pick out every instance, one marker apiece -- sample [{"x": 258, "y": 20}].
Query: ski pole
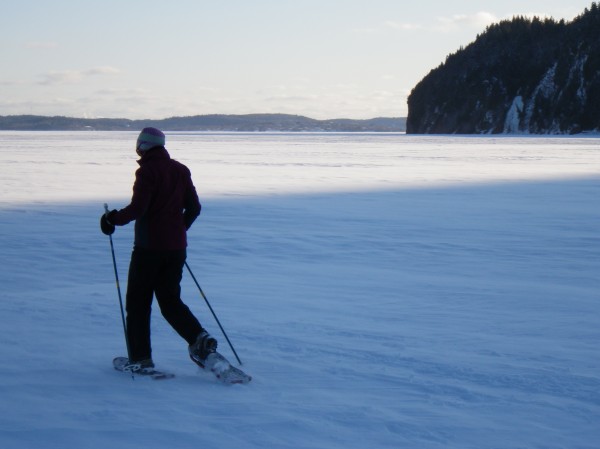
[
  {"x": 112, "y": 249},
  {"x": 213, "y": 313}
]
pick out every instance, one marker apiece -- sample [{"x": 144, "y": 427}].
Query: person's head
[{"x": 148, "y": 139}]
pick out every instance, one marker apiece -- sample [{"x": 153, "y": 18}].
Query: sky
[{"x": 319, "y": 58}]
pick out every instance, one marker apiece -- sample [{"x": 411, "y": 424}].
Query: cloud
[
  {"x": 292, "y": 98},
  {"x": 477, "y": 20},
  {"x": 367, "y": 31},
  {"x": 12, "y": 82},
  {"x": 404, "y": 26},
  {"x": 75, "y": 76},
  {"x": 50, "y": 106},
  {"x": 103, "y": 70},
  {"x": 66, "y": 77},
  {"x": 43, "y": 45},
  {"x": 336, "y": 100}
]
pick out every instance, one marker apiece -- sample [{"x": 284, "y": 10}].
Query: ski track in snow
[{"x": 370, "y": 313}]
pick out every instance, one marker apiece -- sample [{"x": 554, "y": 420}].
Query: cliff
[{"x": 519, "y": 76}]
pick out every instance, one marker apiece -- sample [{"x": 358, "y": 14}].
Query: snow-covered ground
[{"x": 385, "y": 291}]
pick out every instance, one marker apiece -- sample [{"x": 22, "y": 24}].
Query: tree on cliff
[{"x": 540, "y": 73}]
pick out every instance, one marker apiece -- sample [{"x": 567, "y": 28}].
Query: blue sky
[{"x": 151, "y": 59}]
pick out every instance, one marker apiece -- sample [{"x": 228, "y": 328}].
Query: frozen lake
[
  {"x": 384, "y": 290},
  {"x": 250, "y": 164}
]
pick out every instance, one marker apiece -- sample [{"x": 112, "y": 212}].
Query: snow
[
  {"x": 384, "y": 291},
  {"x": 513, "y": 116},
  {"x": 544, "y": 90}
]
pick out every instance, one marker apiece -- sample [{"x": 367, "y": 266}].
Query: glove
[{"x": 105, "y": 225}]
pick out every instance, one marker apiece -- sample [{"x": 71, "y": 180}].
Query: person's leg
[
  {"x": 140, "y": 287},
  {"x": 168, "y": 296}
]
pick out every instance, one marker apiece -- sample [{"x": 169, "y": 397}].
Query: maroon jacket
[{"x": 164, "y": 203}]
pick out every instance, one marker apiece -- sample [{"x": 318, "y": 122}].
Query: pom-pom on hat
[{"x": 150, "y": 138}]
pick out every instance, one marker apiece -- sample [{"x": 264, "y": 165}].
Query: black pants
[{"x": 156, "y": 273}]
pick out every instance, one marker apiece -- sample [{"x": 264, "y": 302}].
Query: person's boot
[
  {"x": 140, "y": 366},
  {"x": 202, "y": 348}
]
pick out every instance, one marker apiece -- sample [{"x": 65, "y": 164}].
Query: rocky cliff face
[{"x": 520, "y": 76}]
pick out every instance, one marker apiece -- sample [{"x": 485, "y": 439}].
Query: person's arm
[
  {"x": 142, "y": 193},
  {"x": 192, "y": 206}
]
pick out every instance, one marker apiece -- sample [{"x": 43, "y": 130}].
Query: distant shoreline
[{"x": 206, "y": 123}]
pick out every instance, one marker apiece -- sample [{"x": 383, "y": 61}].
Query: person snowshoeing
[{"x": 164, "y": 205}]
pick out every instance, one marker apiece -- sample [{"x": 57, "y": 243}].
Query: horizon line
[{"x": 203, "y": 115}]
